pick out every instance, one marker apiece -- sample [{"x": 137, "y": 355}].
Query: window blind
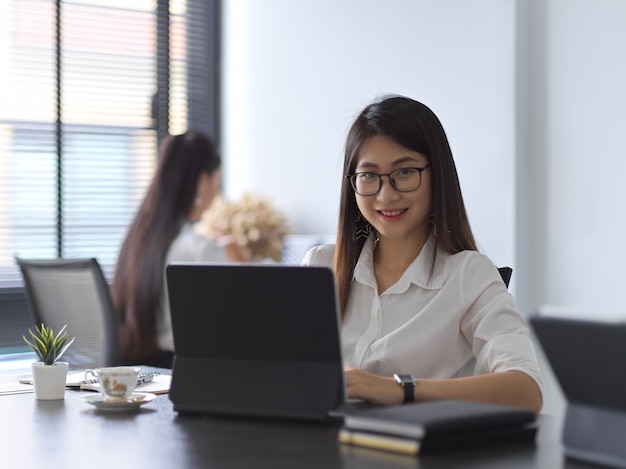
[
  {"x": 108, "y": 149},
  {"x": 79, "y": 82}
]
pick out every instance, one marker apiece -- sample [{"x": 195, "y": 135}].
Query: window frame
[{"x": 202, "y": 105}]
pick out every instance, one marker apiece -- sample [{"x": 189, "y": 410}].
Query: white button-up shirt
[{"x": 462, "y": 321}]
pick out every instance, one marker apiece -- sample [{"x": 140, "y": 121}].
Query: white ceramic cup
[{"x": 116, "y": 382}]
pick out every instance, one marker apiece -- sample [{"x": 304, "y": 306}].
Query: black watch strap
[{"x": 408, "y": 384}]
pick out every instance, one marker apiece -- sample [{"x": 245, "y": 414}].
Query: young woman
[
  {"x": 424, "y": 315},
  {"x": 186, "y": 180}
]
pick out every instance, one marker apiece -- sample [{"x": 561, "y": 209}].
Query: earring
[
  {"x": 432, "y": 222},
  {"x": 198, "y": 201},
  {"x": 363, "y": 232}
]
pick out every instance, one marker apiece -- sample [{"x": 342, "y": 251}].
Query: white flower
[{"x": 252, "y": 222}]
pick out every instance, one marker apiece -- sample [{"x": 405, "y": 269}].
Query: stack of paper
[
  {"x": 155, "y": 383},
  {"x": 11, "y": 385}
]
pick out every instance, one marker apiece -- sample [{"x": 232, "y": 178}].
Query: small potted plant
[{"x": 49, "y": 374}]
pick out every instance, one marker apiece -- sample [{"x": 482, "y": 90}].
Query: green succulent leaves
[{"x": 47, "y": 346}]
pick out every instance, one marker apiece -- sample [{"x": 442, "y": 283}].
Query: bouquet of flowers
[{"x": 252, "y": 222}]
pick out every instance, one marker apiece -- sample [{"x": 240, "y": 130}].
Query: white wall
[
  {"x": 571, "y": 162},
  {"x": 295, "y": 74},
  {"x": 586, "y": 85},
  {"x": 571, "y": 154}
]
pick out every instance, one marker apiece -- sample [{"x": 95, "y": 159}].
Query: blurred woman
[{"x": 186, "y": 181}]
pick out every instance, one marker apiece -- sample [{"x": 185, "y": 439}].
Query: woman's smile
[{"x": 394, "y": 214}]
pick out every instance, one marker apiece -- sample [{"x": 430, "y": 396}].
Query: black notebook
[{"x": 437, "y": 425}]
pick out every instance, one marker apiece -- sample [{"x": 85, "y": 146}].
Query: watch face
[
  {"x": 404, "y": 379},
  {"x": 408, "y": 383}
]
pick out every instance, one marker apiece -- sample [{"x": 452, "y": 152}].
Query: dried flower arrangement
[{"x": 252, "y": 222}]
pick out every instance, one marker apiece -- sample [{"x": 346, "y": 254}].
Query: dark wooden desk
[{"x": 72, "y": 434}]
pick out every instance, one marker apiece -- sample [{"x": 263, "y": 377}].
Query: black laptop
[
  {"x": 255, "y": 340},
  {"x": 588, "y": 358}
]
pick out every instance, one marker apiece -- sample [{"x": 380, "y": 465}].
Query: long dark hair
[
  {"x": 414, "y": 126},
  {"x": 137, "y": 286}
]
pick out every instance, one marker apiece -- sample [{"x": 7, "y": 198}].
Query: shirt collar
[
  {"x": 364, "y": 269},
  {"x": 417, "y": 273}
]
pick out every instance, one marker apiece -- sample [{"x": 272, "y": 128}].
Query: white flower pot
[{"x": 49, "y": 380}]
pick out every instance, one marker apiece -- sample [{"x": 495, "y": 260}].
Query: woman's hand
[
  {"x": 377, "y": 389},
  {"x": 234, "y": 252}
]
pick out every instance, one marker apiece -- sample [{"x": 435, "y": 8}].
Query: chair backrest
[
  {"x": 506, "y": 273},
  {"x": 74, "y": 292}
]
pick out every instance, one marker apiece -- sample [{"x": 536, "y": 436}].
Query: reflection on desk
[{"x": 74, "y": 434}]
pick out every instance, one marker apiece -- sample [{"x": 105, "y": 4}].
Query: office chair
[
  {"x": 505, "y": 273},
  {"x": 74, "y": 292}
]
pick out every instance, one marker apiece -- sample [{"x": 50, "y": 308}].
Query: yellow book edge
[{"x": 382, "y": 442}]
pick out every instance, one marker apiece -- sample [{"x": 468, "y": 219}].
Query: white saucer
[{"x": 135, "y": 400}]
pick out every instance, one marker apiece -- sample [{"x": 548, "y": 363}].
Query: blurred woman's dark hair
[{"x": 138, "y": 281}]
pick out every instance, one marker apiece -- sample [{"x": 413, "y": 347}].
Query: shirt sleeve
[
  {"x": 193, "y": 247},
  {"x": 321, "y": 255},
  {"x": 210, "y": 251},
  {"x": 499, "y": 335}
]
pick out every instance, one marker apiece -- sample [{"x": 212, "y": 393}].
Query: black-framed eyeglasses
[{"x": 367, "y": 183}]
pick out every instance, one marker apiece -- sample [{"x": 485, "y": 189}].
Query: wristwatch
[{"x": 408, "y": 384}]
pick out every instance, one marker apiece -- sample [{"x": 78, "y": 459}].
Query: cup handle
[{"x": 90, "y": 372}]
